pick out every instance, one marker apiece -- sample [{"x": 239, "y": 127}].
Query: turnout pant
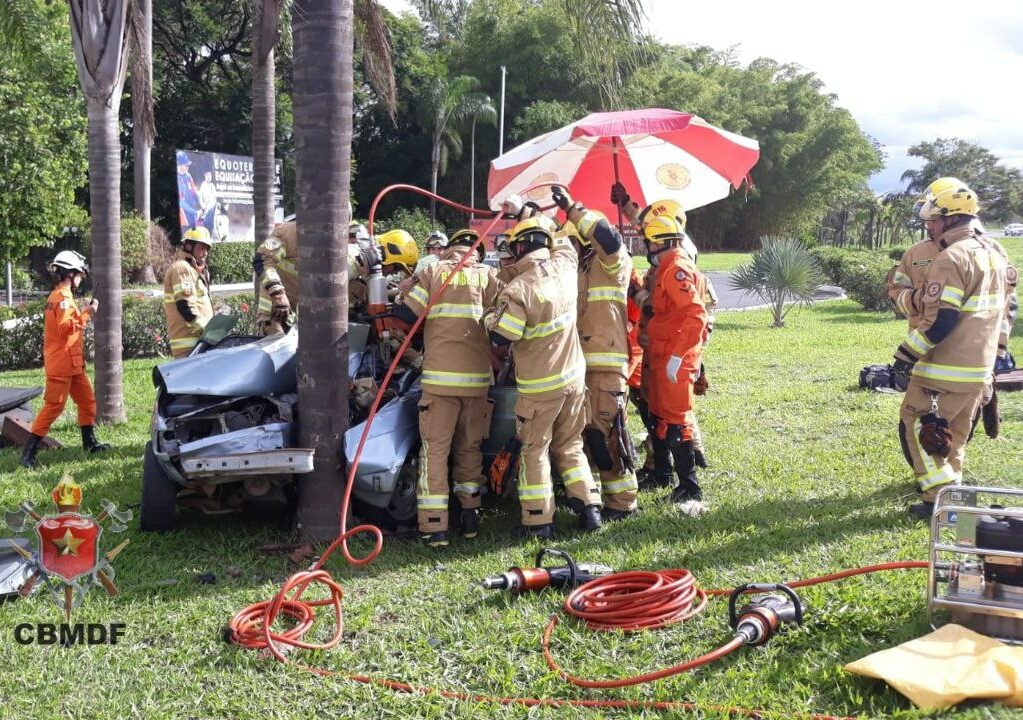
[
  {"x": 961, "y": 411},
  {"x": 552, "y": 425},
  {"x": 450, "y": 426},
  {"x": 55, "y": 398},
  {"x": 607, "y": 399}
]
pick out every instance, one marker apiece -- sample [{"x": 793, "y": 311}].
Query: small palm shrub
[{"x": 783, "y": 273}]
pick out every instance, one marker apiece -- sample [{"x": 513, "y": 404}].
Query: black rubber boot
[
  {"x": 541, "y": 532},
  {"x": 612, "y": 515},
  {"x": 701, "y": 459},
  {"x": 28, "y": 453},
  {"x": 661, "y": 474},
  {"x": 89, "y": 441},
  {"x": 434, "y": 540},
  {"x": 922, "y": 510},
  {"x": 470, "y": 523},
  {"x": 589, "y": 518},
  {"x": 688, "y": 487}
]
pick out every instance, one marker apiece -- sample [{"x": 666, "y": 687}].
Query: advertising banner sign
[{"x": 215, "y": 191}]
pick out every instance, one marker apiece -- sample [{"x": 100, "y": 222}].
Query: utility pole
[
  {"x": 500, "y": 136},
  {"x": 472, "y": 169}
]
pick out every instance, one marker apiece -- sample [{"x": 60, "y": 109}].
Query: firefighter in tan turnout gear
[
  {"x": 276, "y": 267},
  {"x": 605, "y": 268},
  {"x": 535, "y": 314},
  {"x": 907, "y": 279},
  {"x": 949, "y": 356},
  {"x": 454, "y": 411},
  {"x": 186, "y": 292}
]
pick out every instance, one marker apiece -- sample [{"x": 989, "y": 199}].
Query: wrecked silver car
[{"x": 225, "y": 430}]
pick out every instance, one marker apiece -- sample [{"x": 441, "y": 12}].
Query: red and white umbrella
[{"x": 656, "y": 154}]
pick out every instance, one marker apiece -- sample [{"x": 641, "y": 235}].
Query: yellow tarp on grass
[{"x": 947, "y": 666}]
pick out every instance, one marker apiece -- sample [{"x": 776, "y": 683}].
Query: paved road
[{"x": 729, "y": 299}]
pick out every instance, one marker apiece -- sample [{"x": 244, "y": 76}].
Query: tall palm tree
[
  {"x": 140, "y": 29},
  {"x": 143, "y": 126},
  {"x": 371, "y": 33},
  {"x": 608, "y": 37},
  {"x": 322, "y": 106},
  {"x": 98, "y": 29},
  {"x": 451, "y": 104},
  {"x": 265, "y": 18}
]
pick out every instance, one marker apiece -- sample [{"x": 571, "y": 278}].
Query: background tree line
[{"x": 810, "y": 181}]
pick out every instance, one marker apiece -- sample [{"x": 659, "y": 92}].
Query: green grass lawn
[
  {"x": 708, "y": 260},
  {"x": 806, "y": 478}
]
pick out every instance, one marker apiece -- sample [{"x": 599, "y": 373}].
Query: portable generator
[{"x": 975, "y": 571}]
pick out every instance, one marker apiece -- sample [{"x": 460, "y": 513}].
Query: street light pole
[
  {"x": 472, "y": 169},
  {"x": 500, "y": 137}
]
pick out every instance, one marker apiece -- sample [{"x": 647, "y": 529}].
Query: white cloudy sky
[{"x": 907, "y": 71}]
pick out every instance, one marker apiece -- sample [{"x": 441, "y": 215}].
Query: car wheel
[
  {"x": 402, "y": 507},
  {"x": 159, "y": 511}
]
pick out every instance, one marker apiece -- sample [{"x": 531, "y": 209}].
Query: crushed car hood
[{"x": 265, "y": 367}]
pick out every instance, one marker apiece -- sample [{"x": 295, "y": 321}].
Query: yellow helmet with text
[
  {"x": 668, "y": 207},
  {"x": 947, "y": 196},
  {"x": 399, "y": 249},
  {"x": 466, "y": 237},
  {"x": 663, "y": 230},
  {"x": 532, "y": 230}
]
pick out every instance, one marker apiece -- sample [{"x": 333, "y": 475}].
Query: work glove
[
  {"x": 512, "y": 205},
  {"x": 368, "y": 257},
  {"x": 902, "y": 368},
  {"x": 619, "y": 196},
  {"x": 197, "y": 326},
  {"x": 561, "y": 197},
  {"x": 672, "y": 368},
  {"x": 702, "y": 385},
  {"x": 693, "y": 508},
  {"x": 991, "y": 417},
  {"x": 935, "y": 435},
  {"x": 281, "y": 304}
]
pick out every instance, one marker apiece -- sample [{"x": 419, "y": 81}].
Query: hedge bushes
[
  {"x": 861, "y": 273},
  {"x": 143, "y": 330},
  {"x": 231, "y": 263}
]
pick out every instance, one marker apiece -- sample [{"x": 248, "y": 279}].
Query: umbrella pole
[{"x": 614, "y": 161}]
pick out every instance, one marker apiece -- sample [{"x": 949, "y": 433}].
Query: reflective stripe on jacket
[
  {"x": 537, "y": 312},
  {"x": 968, "y": 276},
  {"x": 457, "y": 358}
]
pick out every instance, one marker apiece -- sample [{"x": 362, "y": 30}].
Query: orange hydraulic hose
[
  {"x": 638, "y": 600},
  {"x": 631, "y": 601}
]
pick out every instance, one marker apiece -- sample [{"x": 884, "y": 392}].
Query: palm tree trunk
[
  {"x": 322, "y": 98},
  {"x": 105, "y": 207},
  {"x": 264, "y": 109}
]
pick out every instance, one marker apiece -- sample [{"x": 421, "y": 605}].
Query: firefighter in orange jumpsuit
[
  {"x": 63, "y": 358},
  {"x": 673, "y": 337}
]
